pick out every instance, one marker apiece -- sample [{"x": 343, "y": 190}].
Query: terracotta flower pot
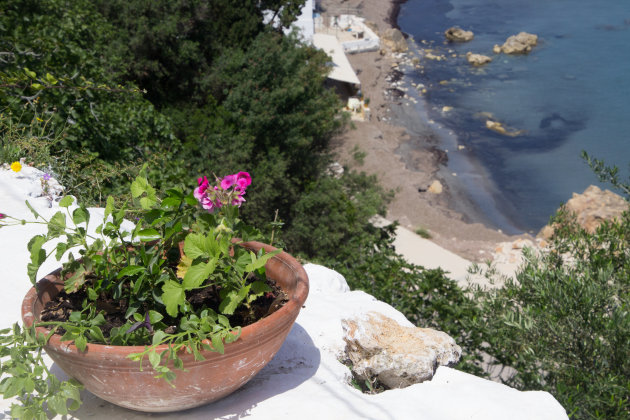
[{"x": 108, "y": 373}]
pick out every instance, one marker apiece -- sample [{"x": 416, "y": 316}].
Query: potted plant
[{"x": 177, "y": 311}]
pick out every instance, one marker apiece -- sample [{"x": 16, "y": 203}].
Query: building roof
[{"x": 340, "y": 67}]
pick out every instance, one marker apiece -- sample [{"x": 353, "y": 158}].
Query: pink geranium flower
[
  {"x": 200, "y": 191},
  {"x": 230, "y": 190},
  {"x": 228, "y": 181},
  {"x": 243, "y": 180}
]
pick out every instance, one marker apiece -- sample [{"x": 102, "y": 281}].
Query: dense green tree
[
  {"x": 267, "y": 112},
  {"x": 172, "y": 44}
]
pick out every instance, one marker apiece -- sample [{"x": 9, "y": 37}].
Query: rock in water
[
  {"x": 497, "y": 127},
  {"x": 521, "y": 43},
  {"x": 457, "y": 34},
  {"x": 477, "y": 59},
  {"x": 380, "y": 348}
]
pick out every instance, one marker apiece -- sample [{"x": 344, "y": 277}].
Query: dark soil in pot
[{"x": 60, "y": 308}]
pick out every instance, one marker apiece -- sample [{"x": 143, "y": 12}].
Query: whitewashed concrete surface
[{"x": 305, "y": 380}]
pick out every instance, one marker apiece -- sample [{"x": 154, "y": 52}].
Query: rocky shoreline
[
  {"x": 401, "y": 145},
  {"x": 402, "y": 149}
]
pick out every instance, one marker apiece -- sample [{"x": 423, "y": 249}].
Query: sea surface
[{"x": 571, "y": 93}]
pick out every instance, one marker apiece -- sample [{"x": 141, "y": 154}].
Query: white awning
[{"x": 340, "y": 67}]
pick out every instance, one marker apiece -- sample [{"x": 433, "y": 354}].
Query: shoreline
[
  {"x": 401, "y": 147},
  {"x": 394, "y": 11}
]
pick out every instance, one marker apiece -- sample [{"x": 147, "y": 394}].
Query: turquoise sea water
[{"x": 571, "y": 93}]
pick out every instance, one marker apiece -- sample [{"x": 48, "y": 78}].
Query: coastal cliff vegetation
[{"x": 92, "y": 91}]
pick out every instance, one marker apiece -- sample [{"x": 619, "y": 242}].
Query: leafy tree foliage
[
  {"x": 172, "y": 44},
  {"x": 334, "y": 214},
  {"x": 268, "y": 110},
  {"x": 60, "y": 64}
]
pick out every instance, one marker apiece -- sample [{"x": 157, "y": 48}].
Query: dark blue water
[{"x": 571, "y": 93}]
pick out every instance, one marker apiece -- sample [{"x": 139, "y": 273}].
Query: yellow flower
[{"x": 16, "y": 166}]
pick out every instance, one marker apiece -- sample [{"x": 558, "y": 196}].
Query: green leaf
[
  {"x": 57, "y": 225},
  {"x": 38, "y": 256},
  {"x": 80, "y": 342},
  {"x": 70, "y": 389},
  {"x": 98, "y": 320},
  {"x": 155, "y": 316},
  {"x": 147, "y": 202},
  {"x": 12, "y": 387},
  {"x": 75, "y": 317},
  {"x": 35, "y": 247},
  {"x": 62, "y": 247},
  {"x": 231, "y": 337},
  {"x": 195, "y": 349},
  {"x": 75, "y": 281},
  {"x": 29, "y": 385},
  {"x": 241, "y": 262},
  {"x": 130, "y": 270},
  {"x": 233, "y": 299},
  {"x": 222, "y": 319},
  {"x": 97, "y": 334},
  {"x": 217, "y": 343},
  {"x": 178, "y": 363},
  {"x": 197, "y": 245},
  {"x": 32, "y": 210},
  {"x": 261, "y": 260},
  {"x": 109, "y": 207},
  {"x": 66, "y": 201},
  {"x": 137, "y": 286},
  {"x": 92, "y": 295},
  {"x": 51, "y": 79},
  {"x": 171, "y": 203},
  {"x": 154, "y": 359},
  {"x": 198, "y": 273},
  {"x": 147, "y": 235},
  {"x": 173, "y": 296},
  {"x": 80, "y": 215},
  {"x": 30, "y": 73},
  {"x": 57, "y": 404},
  {"x": 158, "y": 336},
  {"x": 139, "y": 186},
  {"x": 260, "y": 287},
  {"x": 132, "y": 309}
]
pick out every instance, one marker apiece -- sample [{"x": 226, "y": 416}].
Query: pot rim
[{"x": 288, "y": 311}]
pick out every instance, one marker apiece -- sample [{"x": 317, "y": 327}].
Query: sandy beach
[{"x": 400, "y": 148}]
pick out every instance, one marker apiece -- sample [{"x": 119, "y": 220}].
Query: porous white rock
[{"x": 380, "y": 348}]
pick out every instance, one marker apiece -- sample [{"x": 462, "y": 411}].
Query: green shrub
[
  {"x": 563, "y": 322},
  {"x": 423, "y": 232}
]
